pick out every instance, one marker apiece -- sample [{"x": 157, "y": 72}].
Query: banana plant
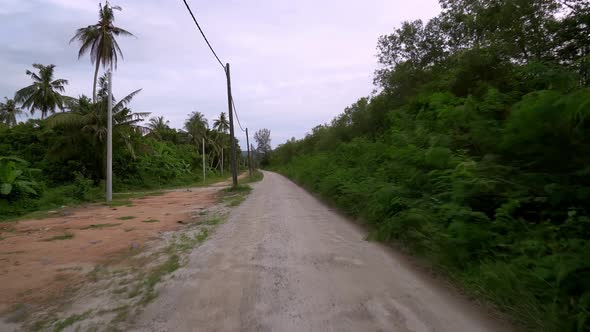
[{"x": 15, "y": 176}]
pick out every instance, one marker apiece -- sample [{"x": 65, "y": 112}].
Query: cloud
[{"x": 294, "y": 64}]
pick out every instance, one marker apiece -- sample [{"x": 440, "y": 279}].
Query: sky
[{"x": 294, "y": 63}]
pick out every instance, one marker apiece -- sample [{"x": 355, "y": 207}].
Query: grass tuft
[
  {"x": 98, "y": 226},
  {"x": 239, "y": 188},
  {"x": 62, "y": 324},
  {"x": 117, "y": 203},
  {"x": 65, "y": 236}
]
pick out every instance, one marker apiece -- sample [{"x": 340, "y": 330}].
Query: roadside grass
[
  {"x": 71, "y": 320},
  {"x": 54, "y": 200},
  {"x": 117, "y": 203},
  {"x": 234, "y": 196},
  {"x": 179, "y": 245},
  {"x": 65, "y": 236},
  {"x": 170, "y": 265},
  {"x": 213, "y": 221},
  {"x": 238, "y": 189},
  {"x": 42, "y": 214},
  {"x": 73, "y": 268},
  {"x": 256, "y": 176},
  {"x": 126, "y": 218},
  {"x": 122, "y": 314},
  {"x": 151, "y": 220},
  {"x": 176, "y": 184},
  {"x": 98, "y": 226},
  {"x": 49, "y": 204},
  {"x": 41, "y": 324}
]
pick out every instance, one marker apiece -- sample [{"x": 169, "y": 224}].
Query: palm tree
[
  {"x": 99, "y": 40},
  {"x": 92, "y": 117},
  {"x": 44, "y": 93},
  {"x": 86, "y": 123},
  {"x": 158, "y": 125},
  {"x": 196, "y": 125},
  {"x": 9, "y": 111},
  {"x": 221, "y": 124}
]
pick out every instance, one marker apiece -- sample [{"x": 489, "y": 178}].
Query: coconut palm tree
[
  {"x": 44, "y": 94},
  {"x": 87, "y": 122},
  {"x": 221, "y": 124},
  {"x": 92, "y": 117},
  {"x": 8, "y": 112},
  {"x": 196, "y": 125},
  {"x": 99, "y": 41},
  {"x": 158, "y": 125}
]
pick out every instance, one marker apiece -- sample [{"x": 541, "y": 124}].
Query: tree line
[
  {"x": 474, "y": 153},
  {"x": 59, "y": 158}
]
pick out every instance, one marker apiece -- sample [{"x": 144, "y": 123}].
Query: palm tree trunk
[{"x": 95, "y": 77}]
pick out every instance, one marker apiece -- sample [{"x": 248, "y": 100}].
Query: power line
[
  {"x": 236, "y": 113},
  {"x": 203, "y": 34},
  {"x": 218, "y": 60}
]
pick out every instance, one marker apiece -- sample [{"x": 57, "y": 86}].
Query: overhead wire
[
  {"x": 203, "y": 34},
  {"x": 236, "y": 113},
  {"x": 216, "y": 57}
]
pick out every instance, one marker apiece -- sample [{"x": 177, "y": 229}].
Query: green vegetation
[
  {"x": 59, "y": 160},
  {"x": 179, "y": 245},
  {"x": 71, "y": 320},
  {"x": 170, "y": 265},
  {"x": 9, "y": 110},
  {"x": 475, "y": 153},
  {"x": 234, "y": 196},
  {"x": 126, "y": 217},
  {"x": 15, "y": 177},
  {"x": 65, "y": 236},
  {"x": 151, "y": 220},
  {"x": 256, "y": 176},
  {"x": 213, "y": 221},
  {"x": 98, "y": 226}
]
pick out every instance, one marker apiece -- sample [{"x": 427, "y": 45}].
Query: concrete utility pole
[
  {"x": 110, "y": 138},
  {"x": 234, "y": 169},
  {"x": 222, "y": 161},
  {"x": 249, "y": 158},
  {"x": 203, "y": 159}
]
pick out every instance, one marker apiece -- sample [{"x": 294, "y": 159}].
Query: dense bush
[
  {"x": 475, "y": 155},
  {"x": 510, "y": 221}
]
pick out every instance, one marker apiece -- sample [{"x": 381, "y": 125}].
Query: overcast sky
[{"x": 294, "y": 63}]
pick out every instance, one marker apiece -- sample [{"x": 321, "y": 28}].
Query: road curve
[{"x": 286, "y": 262}]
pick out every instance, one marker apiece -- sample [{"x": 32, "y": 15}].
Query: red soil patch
[{"x": 34, "y": 269}]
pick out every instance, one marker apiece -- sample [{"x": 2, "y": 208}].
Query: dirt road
[{"x": 285, "y": 262}]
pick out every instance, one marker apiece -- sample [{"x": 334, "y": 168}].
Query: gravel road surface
[{"x": 283, "y": 261}]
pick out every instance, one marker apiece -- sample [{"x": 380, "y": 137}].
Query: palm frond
[
  {"x": 68, "y": 119},
  {"x": 126, "y": 100}
]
